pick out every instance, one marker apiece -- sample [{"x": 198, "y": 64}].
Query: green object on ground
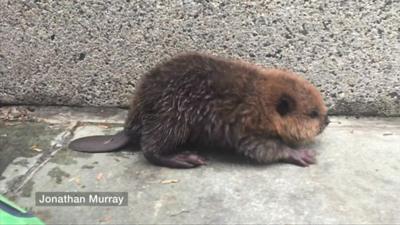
[{"x": 11, "y": 214}]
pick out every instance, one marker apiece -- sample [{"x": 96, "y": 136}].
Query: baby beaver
[{"x": 205, "y": 100}]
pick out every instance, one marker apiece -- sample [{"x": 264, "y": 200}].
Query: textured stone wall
[{"x": 76, "y": 52}]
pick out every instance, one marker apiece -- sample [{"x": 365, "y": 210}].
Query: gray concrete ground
[
  {"x": 356, "y": 180},
  {"x": 93, "y": 52}
]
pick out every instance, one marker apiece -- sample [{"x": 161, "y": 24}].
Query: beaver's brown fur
[{"x": 206, "y": 100}]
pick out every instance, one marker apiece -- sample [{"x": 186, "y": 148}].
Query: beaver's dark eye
[
  {"x": 314, "y": 114},
  {"x": 286, "y": 105}
]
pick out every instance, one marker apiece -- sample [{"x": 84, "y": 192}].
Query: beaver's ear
[{"x": 285, "y": 105}]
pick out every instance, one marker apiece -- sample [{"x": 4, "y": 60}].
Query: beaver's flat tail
[{"x": 101, "y": 143}]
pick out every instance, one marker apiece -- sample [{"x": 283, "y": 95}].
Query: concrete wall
[{"x": 75, "y": 52}]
